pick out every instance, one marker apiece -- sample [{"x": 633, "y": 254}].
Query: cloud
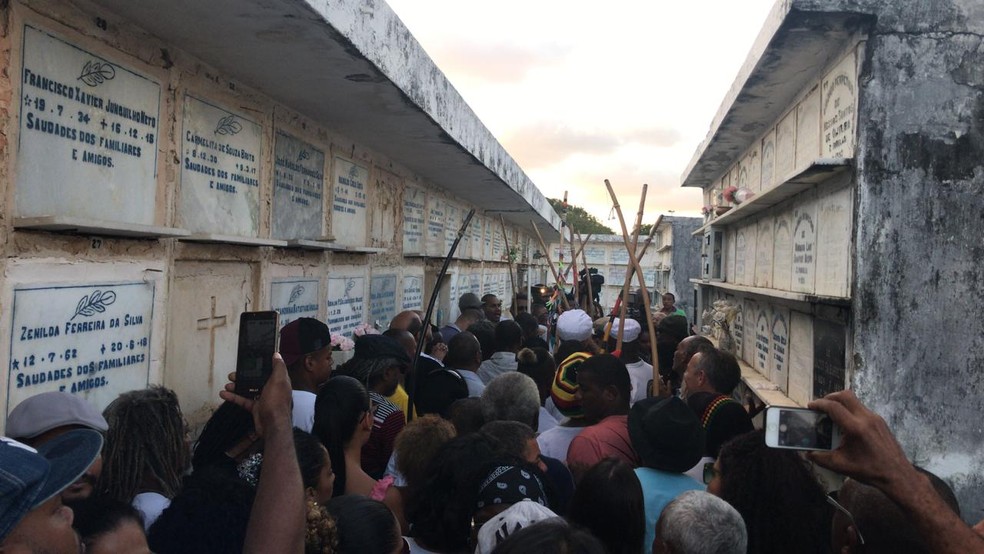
[
  {"x": 494, "y": 63},
  {"x": 548, "y": 143}
]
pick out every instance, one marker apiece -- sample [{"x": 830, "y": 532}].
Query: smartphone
[
  {"x": 259, "y": 335},
  {"x": 800, "y": 429}
]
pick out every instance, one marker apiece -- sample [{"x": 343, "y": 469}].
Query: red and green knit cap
[{"x": 564, "y": 388}]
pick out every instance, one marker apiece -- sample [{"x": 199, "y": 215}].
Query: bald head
[
  {"x": 407, "y": 321},
  {"x": 405, "y": 338}
]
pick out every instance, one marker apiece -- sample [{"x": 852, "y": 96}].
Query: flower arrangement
[
  {"x": 737, "y": 195},
  {"x": 719, "y": 319},
  {"x": 729, "y": 194},
  {"x": 341, "y": 343},
  {"x": 363, "y": 329},
  {"x": 706, "y": 210}
]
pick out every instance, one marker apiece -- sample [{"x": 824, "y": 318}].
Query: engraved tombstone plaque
[
  {"x": 414, "y": 204},
  {"x": 749, "y": 317},
  {"x": 785, "y": 147},
  {"x": 620, "y": 255},
  {"x": 763, "y": 333},
  {"x": 346, "y": 300},
  {"x": 808, "y": 129},
  {"x": 348, "y": 202},
  {"x": 738, "y": 327},
  {"x": 833, "y": 244},
  {"x": 767, "y": 178},
  {"x": 782, "y": 253},
  {"x": 435, "y": 227},
  {"x": 804, "y": 247},
  {"x": 295, "y": 298},
  {"x": 839, "y": 106},
  {"x": 763, "y": 253},
  {"x": 477, "y": 229},
  {"x": 382, "y": 299},
  {"x": 92, "y": 340},
  {"x": 498, "y": 241},
  {"x": 385, "y": 211},
  {"x": 488, "y": 247},
  {"x": 474, "y": 284},
  {"x": 730, "y": 249},
  {"x": 779, "y": 348},
  {"x": 413, "y": 292},
  {"x": 752, "y": 165},
  {"x": 741, "y": 254},
  {"x": 87, "y": 145},
  {"x": 800, "y": 358},
  {"x": 451, "y": 224},
  {"x": 298, "y": 189},
  {"x": 596, "y": 254},
  {"x": 220, "y": 187}
]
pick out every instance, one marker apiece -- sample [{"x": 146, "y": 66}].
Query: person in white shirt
[
  {"x": 508, "y": 341},
  {"x": 640, "y": 373}
]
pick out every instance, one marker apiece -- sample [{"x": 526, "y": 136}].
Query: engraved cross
[{"x": 210, "y": 324}]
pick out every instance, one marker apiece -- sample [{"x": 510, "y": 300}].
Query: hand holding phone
[
  {"x": 258, "y": 340},
  {"x": 800, "y": 429}
]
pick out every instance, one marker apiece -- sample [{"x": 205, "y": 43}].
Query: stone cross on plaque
[{"x": 210, "y": 324}]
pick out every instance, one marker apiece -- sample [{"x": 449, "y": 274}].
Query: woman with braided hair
[{"x": 146, "y": 450}]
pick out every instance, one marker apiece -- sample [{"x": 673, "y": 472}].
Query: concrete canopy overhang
[
  {"x": 791, "y": 50},
  {"x": 354, "y": 67}
]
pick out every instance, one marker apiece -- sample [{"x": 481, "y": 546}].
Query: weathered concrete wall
[
  {"x": 919, "y": 336},
  {"x": 685, "y": 260}
]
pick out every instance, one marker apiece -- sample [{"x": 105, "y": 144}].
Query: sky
[{"x": 579, "y": 92}]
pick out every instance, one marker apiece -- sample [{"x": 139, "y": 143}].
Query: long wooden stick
[
  {"x": 657, "y": 382},
  {"x": 580, "y": 251},
  {"x": 626, "y": 287},
  {"x": 512, "y": 282},
  {"x": 587, "y": 273},
  {"x": 573, "y": 266},
  {"x": 553, "y": 269}
]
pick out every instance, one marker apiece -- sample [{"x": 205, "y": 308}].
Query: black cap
[{"x": 666, "y": 434}]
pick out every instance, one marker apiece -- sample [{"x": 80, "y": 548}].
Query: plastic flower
[
  {"x": 363, "y": 329},
  {"x": 341, "y": 342}
]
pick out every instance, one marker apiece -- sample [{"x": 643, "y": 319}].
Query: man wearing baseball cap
[
  {"x": 46, "y": 416},
  {"x": 32, "y": 517},
  {"x": 305, "y": 345}
]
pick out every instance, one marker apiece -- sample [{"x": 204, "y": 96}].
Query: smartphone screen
[
  {"x": 800, "y": 429},
  {"x": 257, "y": 342}
]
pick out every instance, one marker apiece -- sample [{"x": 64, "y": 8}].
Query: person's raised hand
[
  {"x": 868, "y": 451},
  {"x": 272, "y": 408}
]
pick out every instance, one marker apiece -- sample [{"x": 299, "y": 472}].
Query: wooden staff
[
  {"x": 657, "y": 382},
  {"x": 587, "y": 273},
  {"x": 580, "y": 251},
  {"x": 631, "y": 271},
  {"x": 512, "y": 282},
  {"x": 573, "y": 267},
  {"x": 553, "y": 270},
  {"x": 627, "y": 285}
]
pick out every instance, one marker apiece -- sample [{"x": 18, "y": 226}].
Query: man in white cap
[
  {"x": 640, "y": 373},
  {"x": 46, "y": 416},
  {"x": 574, "y": 326},
  {"x": 32, "y": 516}
]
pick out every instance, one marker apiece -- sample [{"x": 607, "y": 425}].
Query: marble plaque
[
  {"x": 451, "y": 225},
  {"x": 749, "y": 318},
  {"x": 92, "y": 340},
  {"x": 488, "y": 248},
  {"x": 348, "y": 202},
  {"x": 751, "y": 166},
  {"x": 414, "y": 205},
  {"x": 464, "y": 245},
  {"x": 295, "y": 298},
  {"x": 620, "y": 255},
  {"x": 738, "y": 327},
  {"x": 435, "y": 227},
  {"x": 763, "y": 333},
  {"x": 474, "y": 284},
  {"x": 808, "y": 129},
  {"x": 385, "y": 209},
  {"x": 782, "y": 253},
  {"x": 382, "y": 300},
  {"x": 730, "y": 247},
  {"x": 763, "y": 253},
  {"x": 800, "y": 358},
  {"x": 742, "y": 253},
  {"x": 477, "y": 230},
  {"x": 834, "y": 244},
  {"x": 298, "y": 189},
  {"x": 346, "y": 301},
  {"x": 498, "y": 241},
  {"x": 616, "y": 276},
  {"x": 89, "y": 128},
  {"x": 839, "y": 106},
  {"x": 220, "y": 187},
  {"x": 829, "y": 357},
  {"x": 779, "y": 348},
  {"x": 804, "y": 247},
  {"x": 785, "y": 147},
  {"x": 413, "y": 292},
  {"x": 768, "y": 175}
]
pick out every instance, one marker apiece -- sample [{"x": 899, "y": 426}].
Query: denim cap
[
  {"x": 29, "y": 477},
  {"x": 49, "y": 410}
]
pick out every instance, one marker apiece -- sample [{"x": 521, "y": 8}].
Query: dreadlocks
[{"x": 145, "y": 441}]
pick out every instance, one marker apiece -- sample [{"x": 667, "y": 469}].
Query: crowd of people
[{"x": 488, "y": 441}]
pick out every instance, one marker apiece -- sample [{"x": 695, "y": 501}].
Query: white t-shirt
[
  {"x": 474, "y": 382},
  {"x": 640, "y": 373},
  {"x": 546, "y": 421},
  {"x": 150, "y": 505},
  {"x": 555, "y": 442},
  {"x": 303, "y": 414}
]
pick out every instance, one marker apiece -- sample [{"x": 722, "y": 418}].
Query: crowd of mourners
[{"x": 506, "y": 446}]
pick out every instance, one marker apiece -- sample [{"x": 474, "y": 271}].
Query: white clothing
[
  {"x": 150, "y": 505},
  {"x": 546, "y": 421},
  {"x": 551, "y": 409},
  {"x": 416, "y": 548},
  {"x": 474, "y": 382},
  {"x": 640, "y": 374},
  {"x": 498, "y": 364},
  {"x": 555, "y": 442},
  {"x": 398, "y": 479},
  {"x": 303, "y": 412},
  {"x": 697, "y": 472}
]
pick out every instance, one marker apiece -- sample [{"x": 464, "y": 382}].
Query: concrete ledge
[{"x": 83, "y": 226}]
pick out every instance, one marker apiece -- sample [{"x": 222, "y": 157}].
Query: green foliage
[
  {"x": 581, "y": 220},
  {"x": 645, "y": 229}
]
